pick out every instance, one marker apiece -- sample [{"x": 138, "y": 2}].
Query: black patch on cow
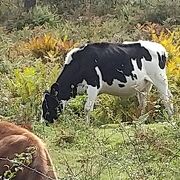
[
  {"x": 162, "y": 60},
  {"x": 139, "y": 63},
  {"x": 121, "y": 85},
  {"x": 134, "y": 76},
  {"x": 87, "y": 63}
]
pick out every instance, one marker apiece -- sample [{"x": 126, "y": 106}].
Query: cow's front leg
[{"x": 92, "y": 93}]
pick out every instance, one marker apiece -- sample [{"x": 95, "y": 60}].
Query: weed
[{"x": 48, "y": 48}]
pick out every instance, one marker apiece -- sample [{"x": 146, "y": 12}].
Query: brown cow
[{"x": 17, "y": 140}]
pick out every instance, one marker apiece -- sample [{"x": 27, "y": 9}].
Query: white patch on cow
[
  {"x": 68, "y": 57},
  {"x": 158, "y": 76},
  {"x": 92, "y": 93},
  {"x": 153, "y": 47},
  {"x": 100, "y": 76},
  {"x": 42, "y": 119},
  {"x": 130, "y": 42}
]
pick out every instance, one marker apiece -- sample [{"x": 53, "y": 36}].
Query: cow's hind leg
[
  {"x": 92, "y": 93},
  {"x": 161, "y": 84},
  {"x": 143, "y": 95}
]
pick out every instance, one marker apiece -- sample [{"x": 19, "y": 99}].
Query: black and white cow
[{"x": 112, "y": 68}]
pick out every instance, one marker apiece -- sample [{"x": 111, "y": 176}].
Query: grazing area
[{"x": 120, "y": 142}]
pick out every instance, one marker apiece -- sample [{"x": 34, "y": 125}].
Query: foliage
[
  {"x": 42, "y": 46},
  {"x": 42, "y": 15},
  {"x": 26, "y": 87},
  {"x": 113, "y": 151},
  {"x": 49, "y": 47},
  {"x": 134, "y": 11},
  {"x": 10, "y": 8},
  {"x": 15, "y": 17},
  {"x": 171, "y": 42},
  {"x": 163, "y": 11}
]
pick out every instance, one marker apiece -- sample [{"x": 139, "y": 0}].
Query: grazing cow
[
  {"x": 16, "y": 140},
  {"x": 117, "y": 69}
]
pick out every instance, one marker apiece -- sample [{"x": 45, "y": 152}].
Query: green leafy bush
[
  {"x": 26, "y": 86},
  {"x": 14, "y": 16},
  {"x": 42, "y": 15},
  {"x": 162, "y": 12}
]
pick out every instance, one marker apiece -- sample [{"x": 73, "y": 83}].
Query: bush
[
  {"x": 171, "y": 42},
  {"x": 26, "y": 87},
  {"x": 161, "y": 12},
  {"x": 14, "y": 16},
  {"x": 48, "y": 47}
]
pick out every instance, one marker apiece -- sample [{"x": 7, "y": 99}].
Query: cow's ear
[{"x": 54, "y": 89}]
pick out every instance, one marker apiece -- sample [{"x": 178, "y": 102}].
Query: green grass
[{"x": 113, "y": 151}]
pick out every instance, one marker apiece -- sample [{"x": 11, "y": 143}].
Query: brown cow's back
[{"x": 16, "y": 140}]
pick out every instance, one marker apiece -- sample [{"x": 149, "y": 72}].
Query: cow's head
[{"x": 51, "y": 105}]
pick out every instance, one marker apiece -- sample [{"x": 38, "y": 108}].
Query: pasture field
[{"x": 119, "y": 144}]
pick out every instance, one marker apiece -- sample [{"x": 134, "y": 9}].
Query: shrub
[
  {"x": 42, "y": 15},
  {"x": 171, "y": 42},
  {"x": 48, "y": 47},
  {"x": 15, "y": 17},
  {"x": 161, "y": 12},
  {"x": 26, "y": 86}
]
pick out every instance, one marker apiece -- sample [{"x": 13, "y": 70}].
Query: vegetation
[{"x": 119, "y": 144}]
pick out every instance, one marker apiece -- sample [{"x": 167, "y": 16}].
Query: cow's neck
[
  {"x": 67, "y": 85},
  {"x": 66, "y": 90}
]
